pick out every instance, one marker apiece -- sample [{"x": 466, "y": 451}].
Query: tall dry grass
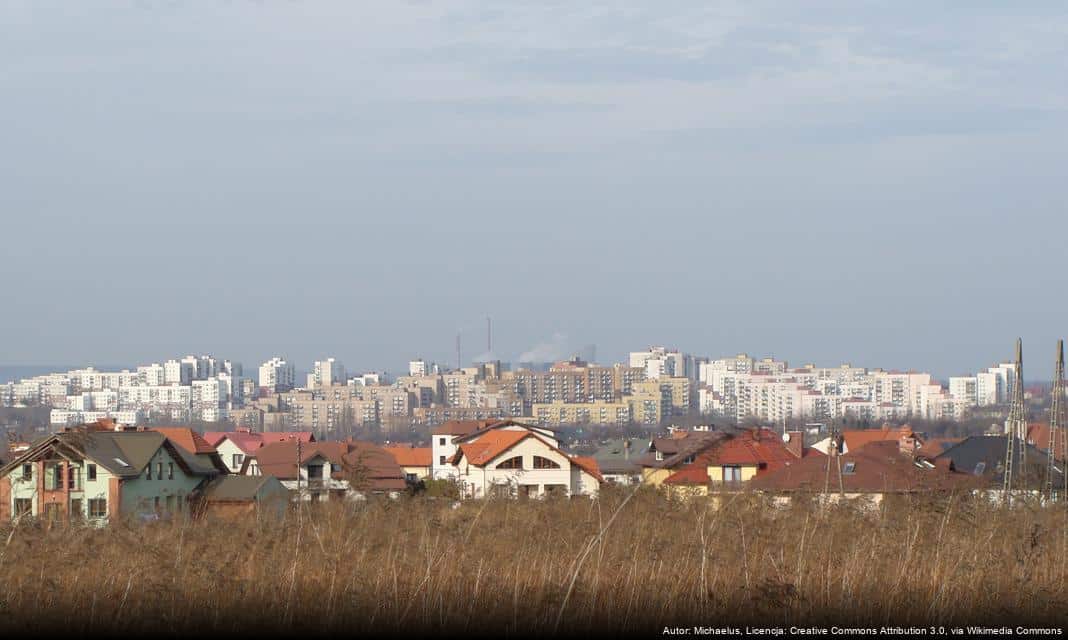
[{"x": 522, "y": 568}]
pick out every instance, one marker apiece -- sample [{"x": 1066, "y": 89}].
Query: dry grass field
[{"x": 623, "y": 563}]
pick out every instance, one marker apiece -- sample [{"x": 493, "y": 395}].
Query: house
[
  {"x": 230, "y": 496},
  {"x": 519, "y": 461},
  {"x": 1038, "y": 434},
  {"x": 234, "y": 446},
  {"x": 618, "y": 460},
  {"x": 984, "y": 458},
  {"x": 415, "y": 462},
  {"x": 666, "y": 455},
  {"x": 872, "y": 471},
  {"x": 320, "y": 471},
  {"x": 443, "y": 445},
  {"x": 933, "y": 447},
  {"x": 446, "y": 438},
  {"x": 196, "y": 445},
  {"x": 851, "y": 439},
  {"x": 730, "y": 462},
  {"x": 97, "y": 473}
]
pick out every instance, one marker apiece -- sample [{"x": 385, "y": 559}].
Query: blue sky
[{"x": 875, "y": 182}]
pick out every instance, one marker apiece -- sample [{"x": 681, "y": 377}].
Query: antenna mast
[
  {"x": 1056, "y": 420},
  {"x": 1015, "y": 427}
]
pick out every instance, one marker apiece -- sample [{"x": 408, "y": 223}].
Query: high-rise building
[{"x": 277, "y": 375}]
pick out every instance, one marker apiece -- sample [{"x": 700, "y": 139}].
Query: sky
[{"x": 881, "y": 183}]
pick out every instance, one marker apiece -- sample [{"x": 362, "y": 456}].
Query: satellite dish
[{"x": 786, "y": 437}]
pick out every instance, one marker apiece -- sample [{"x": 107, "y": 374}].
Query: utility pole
[
  {"x": 1015, "y": 428},
  {"x": 1056, "y": 422}
]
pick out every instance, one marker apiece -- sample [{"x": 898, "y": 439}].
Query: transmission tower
[
  {"x": 1016, "y": 429},
  {"x": 1056, "y": 423}
]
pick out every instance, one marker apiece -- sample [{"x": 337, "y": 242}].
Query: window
[
  {"x": 315, "y": 472},
  {"x": 148, "y": 471},
  {"x": 441, "y": 441},
  {"x": 90, "y": 471},
  {"x": 23, "y": 506},
  {"x": 544, "y": 463},
  {"x": 850, "y": 468},
  {"x": 980, "y": 468},
  {"x": 98, "y": 508},
  {"x": 159, "y": 471},
  {"x": 512, "y": 463},
  {"x": 732, "y": 474},
  {"x": 236, "y": 460},
  {"x": 659, "y": 455},
  {"x": 411, "y": 477},
  {"x": 441, "y": 460},
  {"x": 27, "y": 472},
  {"x": 54, "y": 477},
  {"x": 170, "y": 471}
]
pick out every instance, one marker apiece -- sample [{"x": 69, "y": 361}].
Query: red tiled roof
[
  {"x": 857, "y": 438},
  {"x": 1038, "y": 435},
  {"x": 407, "y": 456},
  {"x": 269, "y": 437},
  {"x": 760, "y": 448}
]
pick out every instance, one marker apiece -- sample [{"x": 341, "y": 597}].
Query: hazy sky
[{"x": 883, "y": 183}]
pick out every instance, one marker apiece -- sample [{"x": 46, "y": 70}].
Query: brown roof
[
  {"x": 878, "y": 467},
  {"x": 676, "y": 449},
  {"x": 379, "y": 467}
]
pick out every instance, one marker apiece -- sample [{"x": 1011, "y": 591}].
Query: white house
[
  {"x": 518, "y": 461},
  {"x": 446, "y": 437}
]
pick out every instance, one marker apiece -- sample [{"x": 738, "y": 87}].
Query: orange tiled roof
[
  {"x": 491, "y": 444},
  {"x": 187, "y": 439},
  {"x": 857, "y": 438},
  {"x": 411, "y": 456},
  {"x": 589, "y": 465}
]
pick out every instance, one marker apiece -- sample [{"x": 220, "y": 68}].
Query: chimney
[{"x": 795, "y": 443}]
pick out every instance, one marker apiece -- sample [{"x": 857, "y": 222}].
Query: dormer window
[{"x": 659, "y": 455}]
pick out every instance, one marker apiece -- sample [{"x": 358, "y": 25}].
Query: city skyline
[
  {"x": 836, "y": 181},
  {"x": 551, "y": 350}
]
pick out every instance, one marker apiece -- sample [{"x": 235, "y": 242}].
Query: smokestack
[
  {"x": 459, "y": 360},
  {"x": 489, "y": 335}
]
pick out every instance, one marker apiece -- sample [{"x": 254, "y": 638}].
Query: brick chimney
[{"x": 796, "y": 443}]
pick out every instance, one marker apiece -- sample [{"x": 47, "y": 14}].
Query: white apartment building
[
  {"x": 209, "y": 400},
  {"x": 325, "y": 373},
  {"x": 68, "y": 417},
  {"x": 660, "y": 362},
  {"x": 277, "y": 375},
  {"x": 178, "y": 372},
  {"x": 419, "y": 368},
  {"x": 151, "y": 375}
]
